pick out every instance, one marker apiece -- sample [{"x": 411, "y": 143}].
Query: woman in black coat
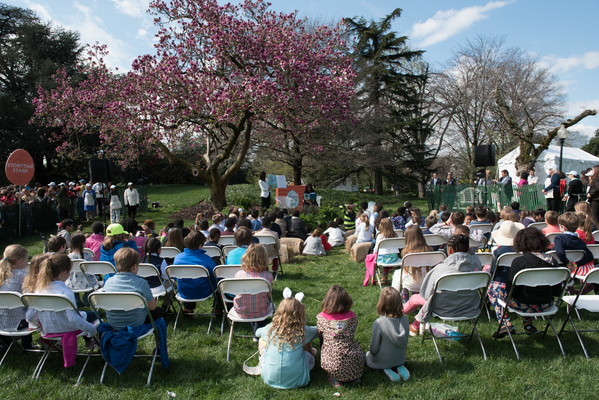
[
  {"x": 553, "y": 203},
  {"x": 594, "y": 192},
  {"x": 575, "y": 189}
]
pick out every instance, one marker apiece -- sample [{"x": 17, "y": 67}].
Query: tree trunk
[
  {"x": 297, "y": 171},
  {"x": 378, "y": 182},
  {"x": 421, "y": 189},
  {"x": 217, "y": 195}
]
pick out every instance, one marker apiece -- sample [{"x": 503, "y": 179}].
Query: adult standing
[
  {"x": 435, "y": 180},
  {"x": 575, "y": 189},
  {"x": 551, "y": 190},
  {"x": 506, "y": 181},
  {"x": 450, "y": 180},
  {"x": 131, "y": 200},
  {"x": 264, "y": 191},
  {"x": 594, "y": 192},
  {"x": 532, "y": 178},
  {"x": 99, "y": 189}
]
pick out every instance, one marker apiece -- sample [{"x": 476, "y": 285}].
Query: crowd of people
[{"x": 285, "y": 344}]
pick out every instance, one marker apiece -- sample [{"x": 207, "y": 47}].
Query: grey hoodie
[
  {"x": 456, "y": 304},
  {"x": 388, "y": 344}
]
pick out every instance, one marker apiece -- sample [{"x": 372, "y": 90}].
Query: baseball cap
[{"x": 115, "y": 229}]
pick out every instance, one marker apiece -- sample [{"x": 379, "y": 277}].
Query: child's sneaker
[
  {"x": 391, "y": 374},
  {"x": 403, "y": 372},
  {"x": 414, "y": 328},
  {"x": 334, "y": 382}
]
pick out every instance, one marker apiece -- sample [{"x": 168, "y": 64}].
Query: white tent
[{"x": 574, "y": 159}]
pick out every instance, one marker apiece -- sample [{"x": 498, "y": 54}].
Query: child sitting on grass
[
  {"x": 390, "y": 333},
  {"x": 313, "y": 244},
  {"x": 287, "y": 355}
]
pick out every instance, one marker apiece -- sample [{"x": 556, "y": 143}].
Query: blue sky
[{"x": 562, "y": 34}]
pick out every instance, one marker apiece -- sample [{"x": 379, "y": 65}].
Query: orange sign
[{"x": 19, "y": 168}]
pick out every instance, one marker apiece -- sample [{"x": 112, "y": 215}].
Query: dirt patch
[{"x": 190, "y": 213}]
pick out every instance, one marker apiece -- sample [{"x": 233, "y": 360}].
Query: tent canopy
[{"x": 574, "y": 159}]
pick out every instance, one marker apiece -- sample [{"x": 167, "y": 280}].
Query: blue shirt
[
  {"x": 234, "y": 257},
  {"x": 195, "y": 288},
  {"x": 127, "y": 282}
]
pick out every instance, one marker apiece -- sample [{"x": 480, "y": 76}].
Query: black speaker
[
  {"x": 101, "y": 170},
  {"x": 484, "y": 156}
]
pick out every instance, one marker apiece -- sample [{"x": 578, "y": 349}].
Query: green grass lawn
[{"x": 199, "y": 368}]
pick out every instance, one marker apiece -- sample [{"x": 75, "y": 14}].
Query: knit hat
[{"x": 115, "y": 229}]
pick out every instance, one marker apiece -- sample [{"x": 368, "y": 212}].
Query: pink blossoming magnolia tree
[{"x": 222, "y": 77}]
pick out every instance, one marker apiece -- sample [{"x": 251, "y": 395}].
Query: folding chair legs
[
  {"x": 152, "y": 366},
  {"x": 177, "y": 317},
  {"x": 230, "y": 338},
  {"x": 40, "y": 364},
  {"x": 435, "y": 342},
  {"x": 561, "y": 347},
  {"x": 8, "y": 350},
  {"x": 103, "y": 373},
  {"x": 475, "y": 329}
]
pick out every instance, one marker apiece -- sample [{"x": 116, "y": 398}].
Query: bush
[
  {"x": 323, "y": 216},
  {"x": 244, "y": 196}
]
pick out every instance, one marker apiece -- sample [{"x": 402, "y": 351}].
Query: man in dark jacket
[{"x": 297, "y": 228}]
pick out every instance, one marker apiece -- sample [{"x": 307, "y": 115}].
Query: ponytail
[{"x": 50, "y": 269}]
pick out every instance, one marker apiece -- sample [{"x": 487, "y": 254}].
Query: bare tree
[{"x": 463, "y": 96}]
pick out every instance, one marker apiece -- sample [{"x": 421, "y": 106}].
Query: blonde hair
[
  {"x": 365, "y": 220},
  {"x": 584, "y": 224},
  {"x": 255, "y": 259},
  {"x": 288, "y": 324},
  {"x": 586, "y": 208},
  {"x": 390, "y": 304},
  {"x": 386, "y": 228},
  {"x": 108, "y": 242},
  {"x": 12, "y": 254},
  {"x": 415, "y": 243},
  {"x": 50, "y": 269},
  {"x": 34, "y": 270}
]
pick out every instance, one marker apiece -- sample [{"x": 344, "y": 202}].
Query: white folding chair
[
  {"x": 10, "y": 301},
  {"x": 147, "y": 270},
  {"x": 582, "y": 302},
  {"x": 594, "y": 248},
  {"x": 534, "y": 277},
  {"x": 571, "y": 255},
  {"x": 505, "y": 261},
  {"x": 240, "y": 287},
  {"x": 53, "y": 303},
  {"x": 395, "y": 244},
  {"x": 126, "y": 301},
  {"x": 435, "y": 240},
  {"x": 460, "y": 283},
  {"x": 213, "y": 251},
  {"x": 539, "y": 225},
  {"x": 596, "y": 235},
  {"x": 225, "y": 272},
  {"x": 484, "y": 228},
  {"x": 268, "y": 240},
  {"x": 76, "y": 266},
  {"x": 179, "y": 272},
  {"x": 226, "y": 250},
  {"x": 399, "y": 233},
  {"x": 551, "y": 236},
  {"x": 169, "y": 252},
  {"x": 485, "y": 258},
  {"x": 476, "y": 244},
  {"x": 420, "y": 260},
  {"x": 227, "y": 240},
  {"x": 90, "y": 252},
  {"x": 96, "y": 268}
]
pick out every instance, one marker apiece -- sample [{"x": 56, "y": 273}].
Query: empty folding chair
[
  {"x": 394, "y": 244},
  {"x": 127, "y": 301},
  {"x": 12, "y": 301},
  {"x": 533, "y": 278},
  {"x": 582, "y": 302},
  {"x": 177, "y": 273},
  {"x": 52, "y": 303},
  {"x": 226, "y": 272},
  {"x": 244, "y": 286},
  {"x": 268, "y": 240},
  {"x": 458, "y": 284}
]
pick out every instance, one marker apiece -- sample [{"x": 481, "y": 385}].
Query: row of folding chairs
[{"x": 52, "y": 303}]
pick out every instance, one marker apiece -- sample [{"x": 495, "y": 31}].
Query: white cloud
[
  {"x": 92, "y": 30},
  {"x": 141, "y": 33},
  {"x": 39, "y": 9},
  {"x": 445, "y": 24},
  {"x": 575, "y": 108},
  {"x": 133, "y": 8},
  {"x": 588, "y": 60}
]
